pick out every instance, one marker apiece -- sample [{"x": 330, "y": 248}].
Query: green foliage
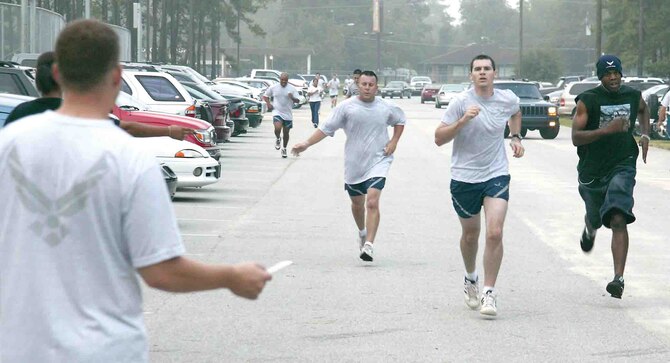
[{"x": 542, "y": 65}]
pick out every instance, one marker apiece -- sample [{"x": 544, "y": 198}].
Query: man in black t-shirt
[{"x": 602, "y": 130}]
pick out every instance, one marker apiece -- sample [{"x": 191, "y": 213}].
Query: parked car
[
  {"x": 536, "y": 112},
  {"x": 159, "y": 91},
  {"x": 554, "y": 97},
  {"x": 296, "y": 80},
  {"x": 252, "y": 92},
  {"x": 447, "y": 92},
  {"x": 130, "y": 110},
  {"x": 236, "y": 107},
  {"x": 170, "y": 179},
  {"x": 566, "y": 104},
  {"x": 396, "y": 88},
  {"x": 17, "y": 80},
  {"x": 8, "y": 102},
  {"x": 192, "y": 164},
  {"x": 417, "y": 83},
  {"x": 429, "y": 92}
]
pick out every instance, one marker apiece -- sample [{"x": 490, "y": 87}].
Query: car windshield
[
  {"x": 420, "y": 79},
  {"x": 522, "y": 90},
  {"x": 453, "y": 87},
  {"x": 578, "y": 88},
  {"x": 395, "y": 85},
  {"x": 124, "y": 99},
  {"x": 640, "y": 86}
]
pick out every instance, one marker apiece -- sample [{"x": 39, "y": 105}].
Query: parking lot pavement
[{"x": 407, "y": 305}]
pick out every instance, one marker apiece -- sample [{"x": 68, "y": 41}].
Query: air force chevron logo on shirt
[{"x": 49, "y": 212}]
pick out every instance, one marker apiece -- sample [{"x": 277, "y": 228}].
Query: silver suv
[{"x": 566, "y": 103}]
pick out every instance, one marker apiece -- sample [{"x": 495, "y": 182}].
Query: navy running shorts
[
  {"x": 362, "y": 188},
  {"x": 284, "y": 123},
  {"x": 468, "y": 198}
]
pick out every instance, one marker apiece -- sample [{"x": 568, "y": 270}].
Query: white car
[
  {"x": 159, "y": 91},
  {"x": 191, "y": 163}
]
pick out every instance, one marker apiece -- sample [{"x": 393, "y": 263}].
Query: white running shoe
[
  {"x": 278, "y": 144},
  {"x": 489, "y": 306},
  {"x": 361, "y": 240},
  {"x": 366, "y": 252},
  {"x": 284, "y": 154},
  {"x": 471, "y": 293}
]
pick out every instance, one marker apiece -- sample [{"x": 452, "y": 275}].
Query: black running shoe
[
  {"x": 586, "y": 242},
  {"x": 615, "y": 287}
]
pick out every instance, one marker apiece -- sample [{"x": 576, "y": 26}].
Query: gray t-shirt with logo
[
  {"x": 366, "y": 126},
  {"x": 478, "y": 152}
]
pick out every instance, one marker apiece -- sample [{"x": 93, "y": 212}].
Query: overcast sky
[{"x": 453, "y": 6}]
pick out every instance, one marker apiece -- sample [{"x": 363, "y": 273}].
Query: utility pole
[
  {"x": 640, "y": 42},
  {"x": 239, "y": 37},
  {"x": 520, "y": 39},
  {"x": 377, "y": 16},
  {"x": 599, "y": 28}
]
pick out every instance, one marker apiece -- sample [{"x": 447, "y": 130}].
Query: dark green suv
[{"x": 536, "y": 112}]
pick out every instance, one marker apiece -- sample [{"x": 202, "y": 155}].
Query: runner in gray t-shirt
[
  {"x": 475, "y": 120},
  {"x": 368, "y": 153},
  {"x": 283, "y": 96},
  {"x": 352, "y": 88}
]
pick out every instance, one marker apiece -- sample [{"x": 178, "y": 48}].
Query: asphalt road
[{"x": 407, "y": 306}]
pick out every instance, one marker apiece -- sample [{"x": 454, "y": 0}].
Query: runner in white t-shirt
[
  {"x": 368, "y": 153},
  {"x": 475, "y": 121},
  {"x": 280, "y": 99},
  {"x": 84, "y": 209},
  {"x": 333, "y": 90},
  {"x": 314, "y": 93}
]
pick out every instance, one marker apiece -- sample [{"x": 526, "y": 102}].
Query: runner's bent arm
[
  {"x": 643, "y": 117},
  {"x": 445, "y": 133},
  {"x": 393, "y": 143},
  {"x": 317, "y": 136},
  {"x": 583, "y": 137}
]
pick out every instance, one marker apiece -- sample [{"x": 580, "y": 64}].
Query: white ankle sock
[
  {"x": 489, "y": 288},
  {"x": 363, "y": 232},
  {"x": 472, "y": 276}
]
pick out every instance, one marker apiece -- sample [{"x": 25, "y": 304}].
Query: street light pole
[
  {"x": 379, "y": 56},
  {"x": 377, "y": 16}
]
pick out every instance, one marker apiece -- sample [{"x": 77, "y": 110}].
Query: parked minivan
[{"x": 159, "y": 91}]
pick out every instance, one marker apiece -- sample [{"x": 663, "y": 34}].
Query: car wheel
[
  {"x": 422, "y": 101},
  {"x": 437, "y": 105},
  {"x": 524, "y": 131},
  {"x": 550, "y": 132},
  {"x": 383, "y": 96}
]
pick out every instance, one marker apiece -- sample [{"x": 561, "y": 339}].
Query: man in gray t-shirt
[
  {"x": 352, "y": 88},
  {"x": 368, "y": 153},
  {"x": 283, "y": 96},
  {"x": 475, "y": 120}
]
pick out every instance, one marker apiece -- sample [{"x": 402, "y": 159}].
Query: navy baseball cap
[{"x": 606, "y": 63}]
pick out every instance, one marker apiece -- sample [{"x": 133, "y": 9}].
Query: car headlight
[
  {"x": 203, "y": 136},
  {"x": 188, "y": 153},
  {"x": 551, "y": 111}
]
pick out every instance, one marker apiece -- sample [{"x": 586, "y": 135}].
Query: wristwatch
[{"x": 517, "y": 136}]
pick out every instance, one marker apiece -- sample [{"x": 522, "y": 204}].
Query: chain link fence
[{"x": 38, "y": 32}]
